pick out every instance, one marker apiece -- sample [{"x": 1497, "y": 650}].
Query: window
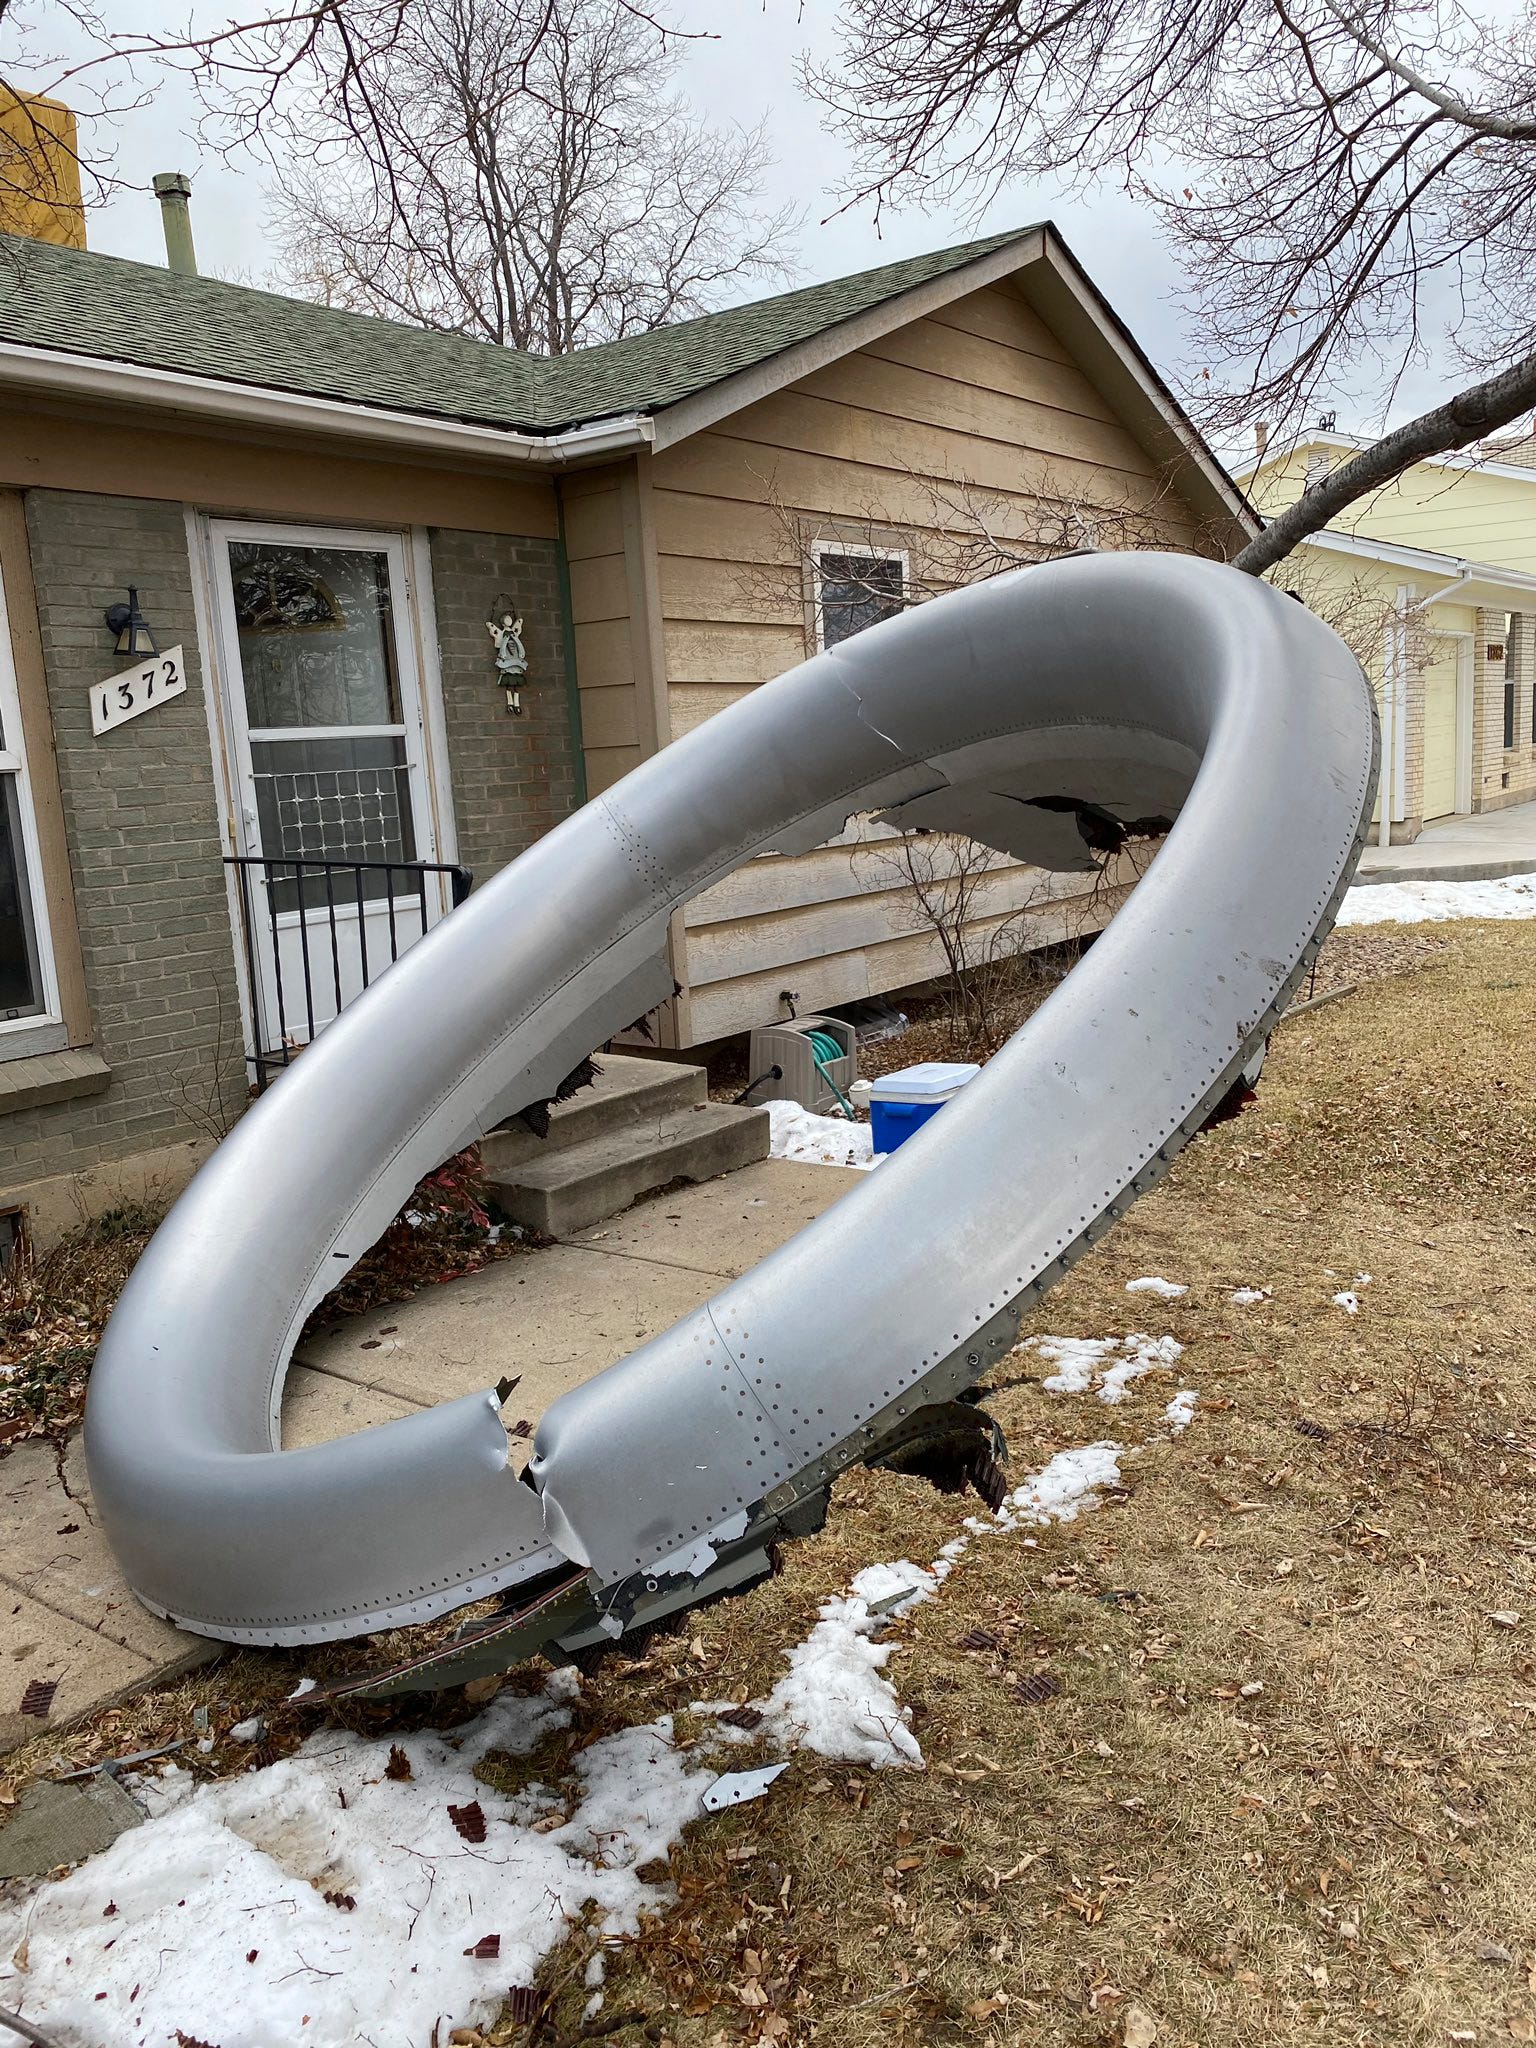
[
  {"x": 29, "y": 1000},
  {"x": 856, "y": 587}
]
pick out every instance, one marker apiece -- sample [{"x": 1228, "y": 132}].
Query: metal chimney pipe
[{"x": 173, "y": 189}]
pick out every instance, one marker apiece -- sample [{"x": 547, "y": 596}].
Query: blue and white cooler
[{"x": 898, "y": 1103}]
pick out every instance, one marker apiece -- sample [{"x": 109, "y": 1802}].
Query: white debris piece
[
  {"x": 834, "y": 1698},
  {"x": 1349, "y": 1301},
  {"x": 795, "y": 1133},
  {"x": 1435, "y": 902},
  {"x": 304, "y": 1685},
  {"x": 1180, "y": 1412},
  {"x": 1150, "y": 1283},
  {"x": 321, "y": 1901},
  {"x": 1107, "y": 1364},
  {"x": 248, "y": 1731},
  {"x": 1246, "y": 1297}
]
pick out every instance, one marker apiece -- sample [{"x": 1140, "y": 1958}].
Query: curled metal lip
[{"x": 1099, "y": 688}]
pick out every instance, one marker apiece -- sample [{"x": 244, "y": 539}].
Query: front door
[{"x": 332, "y": 811}]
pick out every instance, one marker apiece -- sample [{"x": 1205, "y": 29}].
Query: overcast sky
[{"x": 746, "y": 71}]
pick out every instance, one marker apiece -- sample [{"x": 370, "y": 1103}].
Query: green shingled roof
[{"x": 138, "y": 313}]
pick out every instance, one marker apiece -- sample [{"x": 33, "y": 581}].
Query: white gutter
[{"x": 63, "y": 374}]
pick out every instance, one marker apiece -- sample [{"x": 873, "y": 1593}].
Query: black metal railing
[{"x": 304, "y": 925}]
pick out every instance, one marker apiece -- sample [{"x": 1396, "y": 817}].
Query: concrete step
[
  {"x": 583, "y": 1183},
  {"x": 625, "y": 1091}
]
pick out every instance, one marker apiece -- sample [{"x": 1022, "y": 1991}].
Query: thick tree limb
[{"x": 1466, "y": 418}]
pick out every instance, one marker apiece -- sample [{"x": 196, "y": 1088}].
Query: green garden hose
[{"x": 824, "y": 1050}]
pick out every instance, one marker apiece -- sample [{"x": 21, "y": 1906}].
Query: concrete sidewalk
[
  {"x": 1459, "y": 850},
  {"x": 550, "y": 1318}
]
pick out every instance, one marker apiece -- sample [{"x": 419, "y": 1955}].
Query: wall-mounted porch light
[
  {"x": 505, "y": 627},
  {"x": 127, "y": 622}
]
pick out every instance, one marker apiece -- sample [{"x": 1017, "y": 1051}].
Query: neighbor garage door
[{"x": 1440, "y": 728}]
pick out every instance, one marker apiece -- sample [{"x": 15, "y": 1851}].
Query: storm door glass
[{"x": 319, "y": 666}]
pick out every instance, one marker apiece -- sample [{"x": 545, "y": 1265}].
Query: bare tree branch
[
  {"x": 1461, "y": 421},
  {"x": 1508, "y": 128},
  {"x": 544, "y": 201}
]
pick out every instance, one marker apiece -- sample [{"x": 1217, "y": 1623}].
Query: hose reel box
[{"x": 816, "y": 1057}]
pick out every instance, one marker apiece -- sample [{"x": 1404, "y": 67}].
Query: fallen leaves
[
  {"x": 399, "y": 1765},
  {"x": 469, "y": 1821}
]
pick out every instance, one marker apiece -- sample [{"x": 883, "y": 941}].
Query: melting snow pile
[
  {"x": 322, "y": 1900},
  {"x": 1165, "y": 1290},
  {"x": 1245, "y": 1297},
  {"x": 1435, "y": 902},
  {"x": 1107, "y": 1365},
  {"x": 1349, "y": 1299},
  {"x": 819, "y": 1140},
  {"x": 1180, "y": 1412},
  {"x": 835, "y": 1698},
  {"x": 1073, "y": 1481},
  {"x": 370, "y": 1894}
]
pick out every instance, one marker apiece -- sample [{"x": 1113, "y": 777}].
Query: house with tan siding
[{"x": 293, "y": 748}]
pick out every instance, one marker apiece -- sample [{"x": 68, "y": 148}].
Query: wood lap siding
[
  {"x": 981, "y": 393},
  {"x": 594, "y": 545}
]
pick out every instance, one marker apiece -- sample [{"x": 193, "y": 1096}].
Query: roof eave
[
  {"x": 1484, "y": 583},
  {"x": 105, "y": 380}
]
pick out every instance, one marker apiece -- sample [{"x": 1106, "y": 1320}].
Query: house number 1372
[{"x": 153, "y": 680}]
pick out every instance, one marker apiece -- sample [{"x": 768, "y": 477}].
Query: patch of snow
[
  {"x": 304, "y": 1685},
  {"x": 1349, "y": 1301},
  {"x": 1165, "y": 1290},
  {"x": 1085, "y": 1362},
  {"x": 1073, "y": 1482},
  {"x": 835, "y": 1698},
  {"x": 1435, "y": 902},
  {"x": 795, "y": 1133},
  {"x": 1245, "y": 1297},
  {"x": 247, "y": 1731},
  {"x": 214, "y": 1918},
  {"x": 1362, "y": 1279},
  {"x": 320, "y": 1900},
  {"x": 1180, "y": 1412}
]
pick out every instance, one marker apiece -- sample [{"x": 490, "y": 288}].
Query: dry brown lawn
[{"x": 1285, "y": 1789}]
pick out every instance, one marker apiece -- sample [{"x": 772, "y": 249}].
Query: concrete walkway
[
  {"x": 552, "y": 1317},
  {"x": 1459, "y": 850}
]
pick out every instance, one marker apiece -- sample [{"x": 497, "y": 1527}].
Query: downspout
[
  {"x": 568, "y": 641},
  {"x": 1388, "y": 730}
]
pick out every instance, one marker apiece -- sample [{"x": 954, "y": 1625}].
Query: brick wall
[
  {"x": 513, "y": 778},
  {"x": 142, "y": 821},
  {"x": 144, "y": 846},
  {"x": 1520, "y": 669},
  {"x": 1503, "y": 775}
]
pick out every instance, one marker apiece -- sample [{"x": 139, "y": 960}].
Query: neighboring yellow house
[{"x": 1432, "y": 580}]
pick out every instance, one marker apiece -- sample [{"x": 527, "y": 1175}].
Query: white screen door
[{"x": 332, "y": 810}]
